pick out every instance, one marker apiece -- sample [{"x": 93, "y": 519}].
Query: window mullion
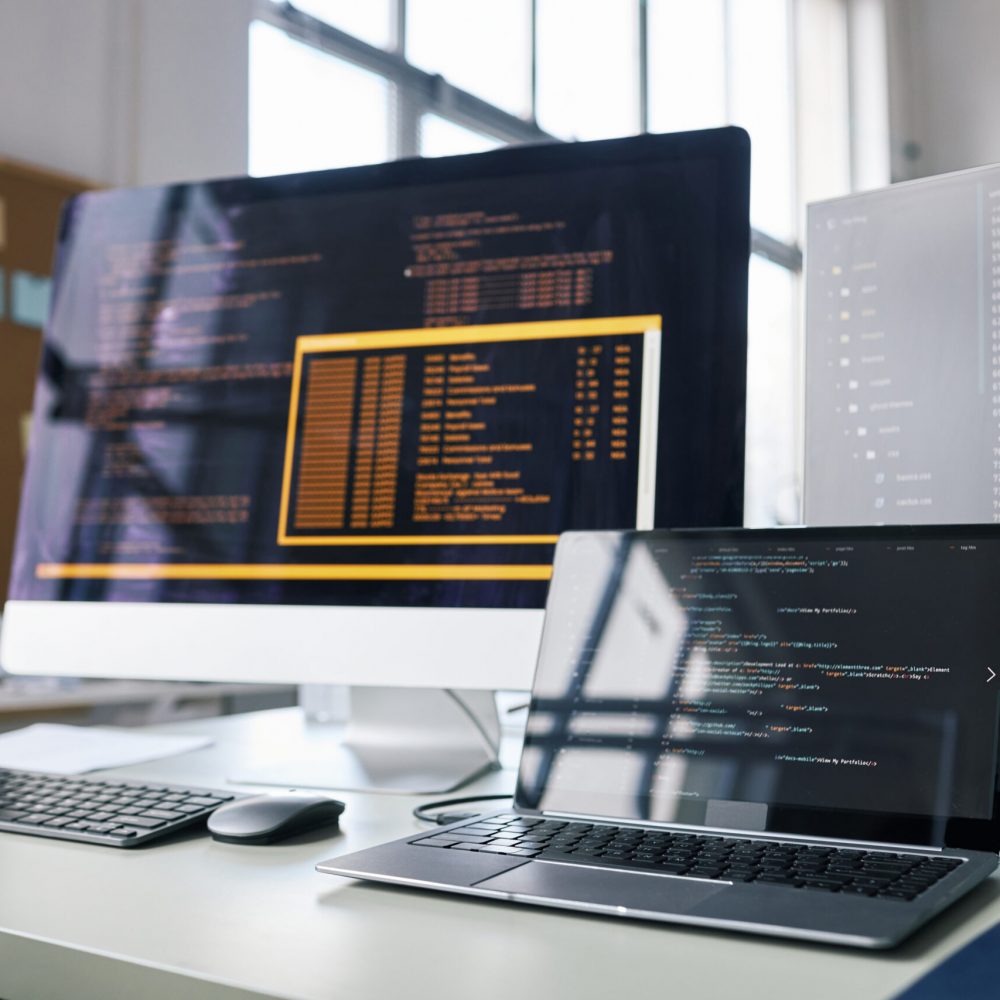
[{"x": 643, "y": 25}]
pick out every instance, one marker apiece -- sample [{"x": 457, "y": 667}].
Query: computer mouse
[{"x": 267, "y": 819}]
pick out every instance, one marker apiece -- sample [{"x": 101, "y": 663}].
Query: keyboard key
[
  {"x": 145, "y": 822},
  {"x": 150, "y": 814},
  {"x": 822, "y": 883},
  {"x": 770, "y": 878}
]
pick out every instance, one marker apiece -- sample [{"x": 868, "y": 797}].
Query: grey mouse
[{"x": 267, "y": 819}]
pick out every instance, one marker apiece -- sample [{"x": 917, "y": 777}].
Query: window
[
  {"x": 438, "y": 77},
  {"x": 370, "y": 20},
  {"x": 300, "y": 115},
  {"x": 494, "y": 59},
  {"x": 588, "y": 51},
  {"x": 441, "y": 137},
  {"x": 687, "y": 71}
]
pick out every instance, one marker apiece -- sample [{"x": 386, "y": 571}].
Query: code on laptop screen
[{"x": 815, "y": 670}]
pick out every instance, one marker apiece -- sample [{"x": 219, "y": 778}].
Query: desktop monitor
[
  {"x": 327, "y": 427},
  {"x": 902, "y": 369}
]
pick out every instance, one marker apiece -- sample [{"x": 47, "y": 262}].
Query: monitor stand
[{"x": 416, "y": 741}]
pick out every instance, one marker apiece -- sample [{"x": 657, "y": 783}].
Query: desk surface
[{"x": 202, "y": 919}]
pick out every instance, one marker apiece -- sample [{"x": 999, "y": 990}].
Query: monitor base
[{"x": 411, "y": 741}]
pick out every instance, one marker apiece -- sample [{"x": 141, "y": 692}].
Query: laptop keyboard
[
  {"x": 727, "y": 859},
  {"x": 116, "y": 813}
]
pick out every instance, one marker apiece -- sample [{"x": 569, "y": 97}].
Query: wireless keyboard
[{"x": 115, "y": 813}]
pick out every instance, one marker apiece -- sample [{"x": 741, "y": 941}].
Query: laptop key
[{"x": 822, "y": 883}]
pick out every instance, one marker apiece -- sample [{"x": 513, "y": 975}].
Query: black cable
[{"x": 423, "y": 812}]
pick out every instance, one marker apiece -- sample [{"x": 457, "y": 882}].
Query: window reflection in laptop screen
[{"x": 806, "y": 670}]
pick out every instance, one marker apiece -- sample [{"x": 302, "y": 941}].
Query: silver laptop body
[{"x": 784, "y": 731}]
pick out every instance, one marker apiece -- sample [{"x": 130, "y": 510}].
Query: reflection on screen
[
  {"x": 392, "y": 385},
  {"x": 682, "y": 671}
]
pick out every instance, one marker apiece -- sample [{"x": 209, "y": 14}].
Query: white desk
[{"x": 199, "y": 919}]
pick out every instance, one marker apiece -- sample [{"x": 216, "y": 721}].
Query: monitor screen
[
  {"x": 388, "y": 386},
  {"x": 684, "y": 674},
  {"x": 902, "y": 394}
]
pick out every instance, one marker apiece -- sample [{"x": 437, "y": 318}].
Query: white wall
[
  {"x": 944, "y": 85},
  {"x": 125, "y": 91}
]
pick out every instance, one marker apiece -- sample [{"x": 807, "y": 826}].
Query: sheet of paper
[{"x": 76, "y": 749}]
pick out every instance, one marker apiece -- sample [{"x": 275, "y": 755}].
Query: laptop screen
[{"x": 834, "y": 682}]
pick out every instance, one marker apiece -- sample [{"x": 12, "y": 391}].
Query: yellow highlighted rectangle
[
  {"x": 433, "y": 337},
  {"x": 261, "y": 571},
  {"x": 423, "y": 540},
  {"x": 444, "y": 336}
]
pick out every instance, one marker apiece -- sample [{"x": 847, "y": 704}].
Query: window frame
[{"x": 415, "y": 92}]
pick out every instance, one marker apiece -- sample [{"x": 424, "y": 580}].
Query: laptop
[{"x": 782, "y": 731}]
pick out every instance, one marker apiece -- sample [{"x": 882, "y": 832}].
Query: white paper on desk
[{"x": 75, "y": 749}]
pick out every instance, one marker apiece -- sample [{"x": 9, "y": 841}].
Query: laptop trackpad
[{"x": 571, "y": 883}]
